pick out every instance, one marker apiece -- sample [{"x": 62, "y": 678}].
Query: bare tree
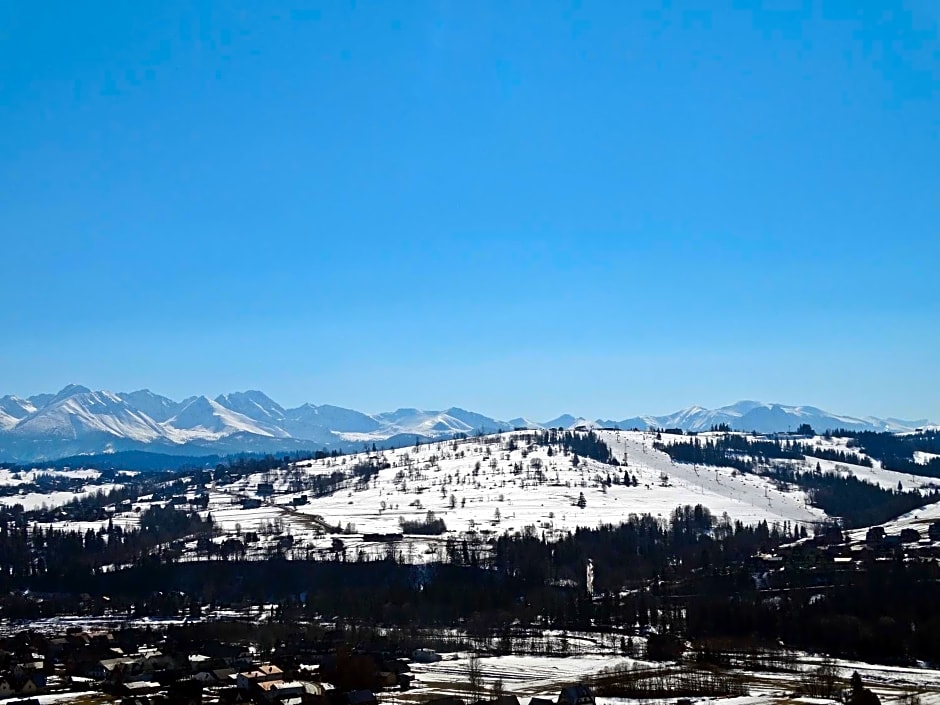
[
  {"x": 474, "y": 677},
  {"x": 497, "y": 690}
]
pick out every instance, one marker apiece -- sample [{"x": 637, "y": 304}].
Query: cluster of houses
[
  {"x": 877, "y": 538},
  {"x": 22, "y": 669},
  {"x": 139, "y": 667},
  {"x": 143, "y": 666},
  {"x": 831, "y": 547}
]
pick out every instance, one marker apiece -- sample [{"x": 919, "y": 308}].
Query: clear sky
[{"x": 526, "y": 208}]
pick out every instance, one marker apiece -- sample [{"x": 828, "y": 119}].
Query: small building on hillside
[{"x": 875, "y": 535}]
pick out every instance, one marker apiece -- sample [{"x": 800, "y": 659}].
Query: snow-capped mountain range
[{"x": 78, "y": 420}]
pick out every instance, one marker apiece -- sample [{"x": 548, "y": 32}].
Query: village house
[
  {"x": 280, "y": 690},
  {"x": 875, "y": 536},
  {"x": 576, "y": 695},
  {"x": 109, "y": 669},
  {"x": 262, "y": 674},
  {"x": 30, "y": 686},
  {"x": 27, "y": 667}
]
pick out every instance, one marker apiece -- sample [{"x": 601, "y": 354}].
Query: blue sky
[{"x": 520, "y": 208}]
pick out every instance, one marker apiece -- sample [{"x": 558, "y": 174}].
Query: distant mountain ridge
[
  {"x": 763, "y": 418},
  {"x": 80, "y": 421}
]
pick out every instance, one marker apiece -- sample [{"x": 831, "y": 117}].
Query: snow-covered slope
[
  {"x": 79, "y": 421},
  {"x": 13, "y": 410},
  {"x": 157, "y": 407},
  {"x": 206, "y": 419},
  {"x": 311, "y": 421},
  {"x": 253, "y": 404},
  {"x": 71, "y": 416},
  {"x": 503, "y": 484}
]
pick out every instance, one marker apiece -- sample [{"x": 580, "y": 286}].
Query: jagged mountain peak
[
  {"x": 69, "y": 390},
  {"x": 253, "y": 404},
  {"x": 156, "y": 406},
  {"x": 206, "y": 418},
  {"x": 81, "y": 413}
]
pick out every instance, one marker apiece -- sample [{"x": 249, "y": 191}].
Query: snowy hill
[
  {"x": 488, "y": 486},
  {"x": 77, "y": 420}
]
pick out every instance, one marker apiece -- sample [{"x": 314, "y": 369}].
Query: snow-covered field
[
  {"x": 540, "y": 676},
  {"x": 887, "y": 479},
  {"x": 9, "y": 477},
  {"x": 38, "y": 500},
  {"x": 521, "y": 675}
]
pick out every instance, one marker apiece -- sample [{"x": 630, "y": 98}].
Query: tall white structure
[{"x": 589, "y": 577}]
